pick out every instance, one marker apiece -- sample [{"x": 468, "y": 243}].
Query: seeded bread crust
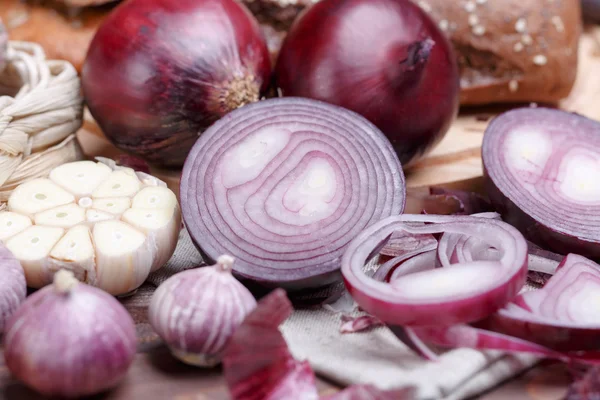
[
  {"x": 508, "y": 50},
  {"x": 512, "y": 50}
]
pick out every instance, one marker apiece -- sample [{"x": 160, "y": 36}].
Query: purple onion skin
[
  {"x": 384, "y": 59},
  {"x": 13, "y": 288},
  {"x": 591, "y": 10},
  {"x": 159, "y": 72},
  {"x": 542, "y": 233},
  {"x": 49, "y": 344}
]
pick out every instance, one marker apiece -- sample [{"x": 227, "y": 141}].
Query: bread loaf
[
  {"x": 507, "y": 50},
  {"x": 512, "y": 50}
]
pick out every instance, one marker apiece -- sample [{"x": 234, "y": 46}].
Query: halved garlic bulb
[{"x": 111, "y": 226}]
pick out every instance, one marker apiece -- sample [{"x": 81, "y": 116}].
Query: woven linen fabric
[{"x": 375, "y": 356}]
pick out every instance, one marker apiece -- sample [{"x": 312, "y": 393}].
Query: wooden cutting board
[{"x": 456, "y": 161}]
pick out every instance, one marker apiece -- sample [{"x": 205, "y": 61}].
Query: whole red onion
[
  {"x": 13, "y": 288},
  {"x": 158, "y": 72},
  {"x": 384, "y": 59},
  {"x": 69, "y": 339}
]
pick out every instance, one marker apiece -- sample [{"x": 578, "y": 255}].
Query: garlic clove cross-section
[{"x": 110, "y": 226}]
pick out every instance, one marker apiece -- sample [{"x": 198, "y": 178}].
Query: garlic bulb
[
  {"x": 109, "y": 225},
  {"x": 12, "y": 285},
  {"x": 196, "y": 311},
  {"x": 70, "y": 339}
]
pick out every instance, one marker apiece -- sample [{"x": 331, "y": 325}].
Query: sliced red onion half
[
  {"x": 283, "y": 185},
  {"x": 563, "y": 315},
  {"x": 465, "y": 292},
  {"x": 541, "y": 170}
]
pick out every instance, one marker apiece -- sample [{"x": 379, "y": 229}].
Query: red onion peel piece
[{"x": 259, "y": 366}]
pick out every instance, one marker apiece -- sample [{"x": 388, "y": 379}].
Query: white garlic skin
[
  {"x": 13, "y": 289},
  {"x": 70, "y": 339},
  {"x": 196, "y": 312}
]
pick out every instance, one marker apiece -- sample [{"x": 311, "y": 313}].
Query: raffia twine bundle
[{"x": 41, "y": 108}]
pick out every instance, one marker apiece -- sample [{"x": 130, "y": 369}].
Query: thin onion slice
[
  {"x": 466, "y": 292},
  {"x": 563, "y": 315},
  {"x": 284, "y": 185},
  {"x": 540, "y": 166}
]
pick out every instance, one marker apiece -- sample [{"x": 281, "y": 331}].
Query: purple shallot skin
[
  {"x": 13, "y": 288},
  {"x": 196, "y": 312}
]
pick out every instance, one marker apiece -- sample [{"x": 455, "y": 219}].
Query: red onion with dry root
[
  {"x": 384, "y": 59},
  {"x": 159, "y": 72}
]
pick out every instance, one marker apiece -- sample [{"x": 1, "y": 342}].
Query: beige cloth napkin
[{"x": 375, "y": 356}]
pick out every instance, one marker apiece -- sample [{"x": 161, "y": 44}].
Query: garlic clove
[
  {"x": 75, "y": 252},
  {"x": 123, "y": 256},
  {"x": 160, "y": 226},
  {"x": 154, "y": 197},
  {"x": 38, "y": 195},
  {"x": 31, "y": 247},
  {"x": 120, "y": 183},
  {"x": 12, "y": 223},
  {"x": 80, "y": 177},
  {"x": 63, "y": 217},
  {"x": 94, "y": 216},
  {"x": 112, "y": 205}
]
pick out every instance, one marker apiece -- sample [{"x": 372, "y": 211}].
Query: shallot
[
  {"x": 109, "y": 225},
  {"x": 283, "y": 185},
  {"x": 384, "y": 59},
  {"x": 540, "y": 166},
  {"x": 13, "y": 289},
  {"x": 159, "y": 72},
  {"x": 69, "y": 339},
  {"x": 196, "y": 311}
]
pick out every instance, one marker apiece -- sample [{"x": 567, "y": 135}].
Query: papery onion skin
[
  {"x": 70, "y": 339},
  {"x": 159, "y": 72},
  {"x": 385, "y": 59},
  {"x": 196, "y": 312},
  {"x": 377, "y": 299},
  {"x": 273, "y": 243},
  {"x": 13, "y": 288},
  {"x": 560, "y": 226}
]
